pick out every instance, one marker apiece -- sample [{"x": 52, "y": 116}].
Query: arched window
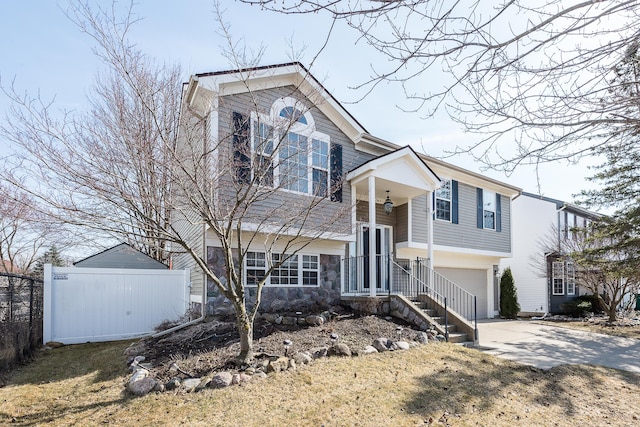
[{"x": 288, "y": 150}]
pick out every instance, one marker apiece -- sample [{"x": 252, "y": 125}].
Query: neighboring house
[
  {"x": 120, "y": 256},
  {"x": 455, "y": 220},
  {"x": 545, "y": 280}
]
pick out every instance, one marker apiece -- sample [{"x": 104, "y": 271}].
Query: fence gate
[{"x": 106, "y": 304}]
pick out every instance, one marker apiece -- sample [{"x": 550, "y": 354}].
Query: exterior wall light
[{"x": 388, "y": 205}]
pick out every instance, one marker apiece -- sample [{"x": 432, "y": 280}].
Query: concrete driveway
[{"x": 544, "y": 346}]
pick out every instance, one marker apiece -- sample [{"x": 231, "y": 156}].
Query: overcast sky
[{"x": 44, "y": 51}]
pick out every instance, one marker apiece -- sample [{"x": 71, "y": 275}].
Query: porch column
[
  {"x": 372, "y": 237},
  {"x": 430, "y": 228}
]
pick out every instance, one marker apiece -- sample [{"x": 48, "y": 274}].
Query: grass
[
  {"x": 438, "y": 384},
  {"x": 619, "y": 330}
]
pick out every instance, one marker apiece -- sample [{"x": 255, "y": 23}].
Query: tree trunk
[{"x": 245, "y": 329}]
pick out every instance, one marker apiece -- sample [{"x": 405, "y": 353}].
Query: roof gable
[
  {"x": 202, "y": 89},
  {"x": 122, "y": 255}
]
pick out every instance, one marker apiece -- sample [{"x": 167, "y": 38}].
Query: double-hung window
[
  {"x": 255, "y": 267},
  {"x": 571, "y": 278},
  {"x": 443, "y": 201},
  {"x": 557, "y": 277},
  {"x": 320, "y": 167},
  {"x": 293, "y": 169},
  {"x": 489, "y": 209},
  {"x": 295, "y": 270},
  {"x": 263, "y": 147}
]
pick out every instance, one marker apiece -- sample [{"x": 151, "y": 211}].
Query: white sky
[{"x": 45, "y": 52}]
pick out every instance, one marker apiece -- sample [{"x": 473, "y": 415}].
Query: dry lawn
[
  {"x": 438, "y": 384},
  {"x": 620, "y": 329}
]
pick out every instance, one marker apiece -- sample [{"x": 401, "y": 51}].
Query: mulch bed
[{"x": 209, "y": 347}]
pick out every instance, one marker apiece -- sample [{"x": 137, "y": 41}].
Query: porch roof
[{"x": 402, "y": 172}]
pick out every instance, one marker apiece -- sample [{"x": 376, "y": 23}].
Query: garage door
[{"x": 473, "y": 281}]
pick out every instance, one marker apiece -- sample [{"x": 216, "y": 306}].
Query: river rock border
[{"x": 141, "y": 381}]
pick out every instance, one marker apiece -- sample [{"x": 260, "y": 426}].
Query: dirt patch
[{"x": 208, "y": 347}]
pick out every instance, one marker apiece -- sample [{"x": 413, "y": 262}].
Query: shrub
[
  {"x": 509, "y": 307},
  {"x": 576, "y": 308}
]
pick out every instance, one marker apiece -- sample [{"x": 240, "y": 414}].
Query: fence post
[{"x": 48, "y": 304}]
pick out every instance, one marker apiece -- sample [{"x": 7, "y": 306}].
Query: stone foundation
[{"x": 279, "y": 299}]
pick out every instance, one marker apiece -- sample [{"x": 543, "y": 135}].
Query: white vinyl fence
[{"x": 106, "y": 304}]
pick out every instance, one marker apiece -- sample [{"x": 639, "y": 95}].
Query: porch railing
[
  {"x": 414, "y": 277},
  {"x": 410, "y": 278}
]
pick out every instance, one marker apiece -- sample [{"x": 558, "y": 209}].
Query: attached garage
[{"x": 473, "y": 281}]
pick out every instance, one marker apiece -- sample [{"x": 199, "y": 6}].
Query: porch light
[{"x": 388, "y": 204}]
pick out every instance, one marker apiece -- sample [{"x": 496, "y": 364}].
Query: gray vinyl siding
[
  {"x": 191, "y": 230},
  {"x": 401, "y": 231},
  {"x": 362, "y": 214},
  {"x": 279, "y": 205},
  {"x": 419, "y": 228},
  {"x": 466, "y": 234},
  {"x": 184, "y": 219}
]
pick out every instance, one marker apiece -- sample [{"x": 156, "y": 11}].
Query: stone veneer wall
[{"x": 279, "y": 299}]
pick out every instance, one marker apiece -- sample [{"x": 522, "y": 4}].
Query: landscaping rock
[
  {"x": 380, "y": 344},
  {"x": 289, "y": 321},
  {"x": 314, "y": 320},
  {"x": 318, "y": 352},
  {"x": 204, "y": 383},
  {"x": 402, "y": 345},
  {"x": 240, "y": 378},
  {"x": 221, "y": 380},
  {"x": 369, "y": 350},
  {"x": 259, "y": 375},
  {"x": 302, "y": 358},
  {"x": 278, "y": 365},
  {"x": 421, "y": 337},
  {"x": 190, "y": 384},
  {"x": 142, "y": 386},
  {"x": 138, "y": 374},
  {"x": 339, "y": 349},
  {"x": 172, "y": 384}
]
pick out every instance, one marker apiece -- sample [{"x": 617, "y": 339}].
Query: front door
[{"x": 383, "y": 254}]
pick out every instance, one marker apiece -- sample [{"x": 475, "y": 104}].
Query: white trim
[
  {"x": 466, "y": 251},
  {"x": 409, "y": 221},
  {"x": 553, "y": 278},
  {"x": 434, "y": 201},
  {"x": 300, "y": 275}
]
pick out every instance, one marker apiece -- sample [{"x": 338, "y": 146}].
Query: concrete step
[
  {"x": 430, "y": 311},
  {"x": 466, "y": 344},
  {"x": 458, "y": 337}
]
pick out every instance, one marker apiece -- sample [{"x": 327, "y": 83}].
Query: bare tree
[
  {"x": 134, "y": 167},
  {"x": 532, "y": 79},
  {"x": 104, "y": 169},
  {"x": 603, "y": 265},
  {"x": 23, "y": 231}
]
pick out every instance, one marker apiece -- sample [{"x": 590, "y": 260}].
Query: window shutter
[
  {"x": 241, "y": 148},
  {"x": 498, "y": 214},
  {"x": 480, "y": 217},
  {"x": 336, "y": 173},
  {"x": 454, "y": 201}
]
